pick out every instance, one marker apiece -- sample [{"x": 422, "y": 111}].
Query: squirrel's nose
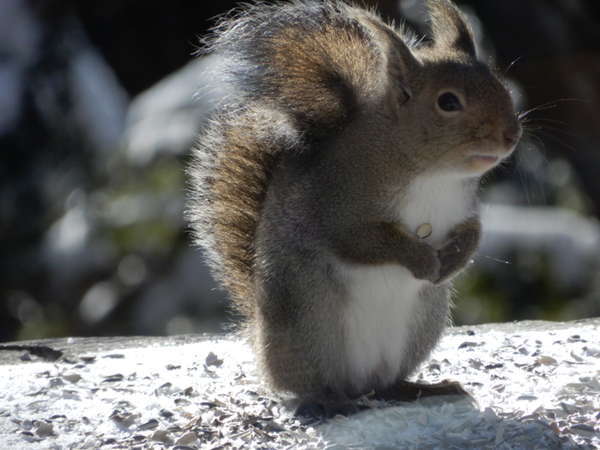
[{"x": 512, "y": 134}]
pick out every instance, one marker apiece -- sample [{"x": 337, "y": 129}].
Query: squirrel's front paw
[
  {"x": 426, "y": 264},
  {"x": 452, "y": 259},
  {"x": 456, "y": 253}
]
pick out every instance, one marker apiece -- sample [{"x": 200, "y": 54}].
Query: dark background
[{"x": 97, "y": 116}]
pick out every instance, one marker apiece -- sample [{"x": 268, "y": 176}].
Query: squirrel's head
[{"x": 445, "y": 105}]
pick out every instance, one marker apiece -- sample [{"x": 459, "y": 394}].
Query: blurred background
[{"x": 97, "y": 115}]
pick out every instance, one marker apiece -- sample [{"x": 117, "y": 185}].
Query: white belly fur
[
  {"x": 442, "y": 201},
  {"x": 381, "y": 307},
  {"x": 378, "y": 319}
]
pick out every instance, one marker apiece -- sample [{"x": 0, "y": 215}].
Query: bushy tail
[{"x": 298, "y": 72}]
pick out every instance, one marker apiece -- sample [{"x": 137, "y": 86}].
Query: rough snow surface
[{"x": 535, "y": 385}]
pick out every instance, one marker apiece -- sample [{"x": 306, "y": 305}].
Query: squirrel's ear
[
  {"x": 403, "y": 67},
  {"x": 449, "y": 27},
  {"x": 402, "y": 64}
]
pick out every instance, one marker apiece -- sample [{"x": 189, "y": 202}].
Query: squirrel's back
[{"x": 299, "y": 72}]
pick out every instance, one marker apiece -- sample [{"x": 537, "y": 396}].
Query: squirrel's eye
[{"x": 449, "y": 102}]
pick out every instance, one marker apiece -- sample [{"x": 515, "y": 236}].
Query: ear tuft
[
  {"x": 402, "y": 65},
  {"x": 450, "y": 28}
]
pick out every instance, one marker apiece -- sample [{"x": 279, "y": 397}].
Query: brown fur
[
  {"x": 234, "y": 181},
  {"x": 336, "y": 114},
  {"x": 236, "y": 154},
  {"x": 450, "y": 28}
]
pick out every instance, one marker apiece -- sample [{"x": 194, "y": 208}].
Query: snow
[{"x": 534, "y": 385}]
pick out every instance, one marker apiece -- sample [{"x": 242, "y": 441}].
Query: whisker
[
  {"x": 544, "y": 127},
  {"x": 565, "y": 99},
  {"x": 540, "y": 141},
  {"x": 560, "y": 141},
  {"x": 523, "y": 114},
  {"x": 514, "y": 61},
  {"x": 502, "y": 261},
  {"x": 543, "y": 119},
  {"x": 548, "y": 105},
  {"x": 535, "y": 126}
]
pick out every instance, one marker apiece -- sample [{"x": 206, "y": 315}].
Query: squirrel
[{"x": 336, "y": 197}]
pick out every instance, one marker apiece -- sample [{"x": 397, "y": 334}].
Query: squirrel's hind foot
[
  {"x": 315, "y": 410},
  {"x": 407, "y": 391}
]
